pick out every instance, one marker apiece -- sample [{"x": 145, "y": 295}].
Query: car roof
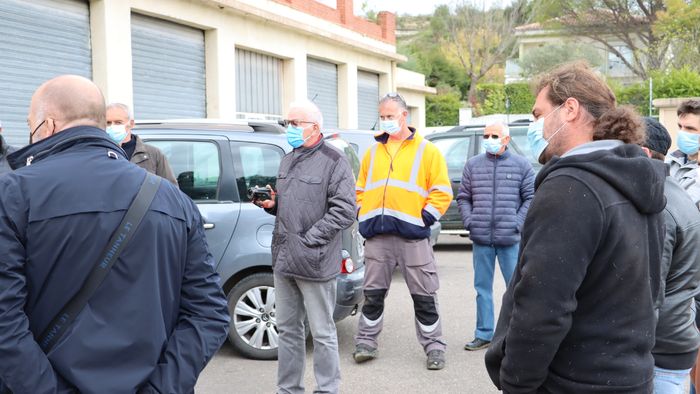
[
  {"x": 474, "y": 129},
  {"x": 209, "y": 125}
]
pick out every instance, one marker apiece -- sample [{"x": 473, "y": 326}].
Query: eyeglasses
[
  {"x": 492, "y": 136},
  {"x": 295, "y": 122}
]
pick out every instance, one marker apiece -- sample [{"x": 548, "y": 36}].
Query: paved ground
[{"x": 400, "y": 367}]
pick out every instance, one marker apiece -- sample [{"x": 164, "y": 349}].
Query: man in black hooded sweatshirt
[{"x": 578, "y": 315}]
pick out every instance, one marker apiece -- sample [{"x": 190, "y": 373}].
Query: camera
[{"x": 259, "y": 193}]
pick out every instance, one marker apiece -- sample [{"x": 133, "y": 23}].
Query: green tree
[
  {"x": 683, "y": 82},
  {"x": 544, "y": 58},
  {"x": 442, "y": 109},
  {"x": 679, "y": 24},
  {"x": 611, "y": 23}
]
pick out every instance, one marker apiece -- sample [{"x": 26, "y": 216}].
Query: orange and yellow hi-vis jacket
[{"x": 394, "y": 195}]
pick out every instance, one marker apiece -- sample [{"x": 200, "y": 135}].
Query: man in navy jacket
[
  {"x": 496, "y": 190},
  {"x": 159, "y": 315}
]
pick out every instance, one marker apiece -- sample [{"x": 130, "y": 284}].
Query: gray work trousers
[
  {"x": 296, "y": 299},
  {"x": 415, "y": 259}
]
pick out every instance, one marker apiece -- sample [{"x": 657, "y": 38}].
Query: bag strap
[{"x": 120, "y": 238}]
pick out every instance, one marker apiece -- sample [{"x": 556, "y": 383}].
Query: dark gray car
[{"x": 215, "y": 164}]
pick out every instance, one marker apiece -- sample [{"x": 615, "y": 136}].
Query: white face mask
[
  {"x": 390, "y": 127},
  {"x": 117, "y": 132}
]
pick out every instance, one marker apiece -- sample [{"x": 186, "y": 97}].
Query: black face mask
[{"x": 31, "y": 135}]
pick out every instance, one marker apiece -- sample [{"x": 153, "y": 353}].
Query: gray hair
[
  {"x": 123, "y": 107},
  {"x": 395, "y": 97},
  {"x": 312, "y": 109},
  {"x": 505, "y": 131}
]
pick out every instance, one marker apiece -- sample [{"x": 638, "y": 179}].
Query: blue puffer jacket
[
  {"x": 160, "y": 313},
  {"x": 494, "y": 197}
]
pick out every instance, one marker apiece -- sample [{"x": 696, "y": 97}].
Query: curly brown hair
[{"x": 577, "y": 80}]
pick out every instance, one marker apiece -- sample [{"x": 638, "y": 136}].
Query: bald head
[{"x": 64, "y": 102}]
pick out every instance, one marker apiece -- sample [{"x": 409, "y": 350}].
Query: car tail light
[{"x": 347, "y": 266}]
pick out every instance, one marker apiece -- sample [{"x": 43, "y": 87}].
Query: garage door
[
  {"x": 258, "y": 83},
  {"x": 322, "y": 89},
  {"x": 168, "y": 69},
  {"x": 367, "y": 100},
  {"x": 40, "y": 40}
]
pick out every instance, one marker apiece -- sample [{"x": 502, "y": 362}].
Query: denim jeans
[
  {"x": 668, "y": 381},
  {"x": 484, "y": 264}
]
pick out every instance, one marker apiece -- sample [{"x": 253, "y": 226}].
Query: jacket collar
[
  {"x": 384, "y": 137},
  {"x": 679, "y": 158},
  {"x": 506, "y": 154},
  {"x": 140, "y": 146},
  {"x": 61, "y": 141},
  {"x": 303, "y": 150}
]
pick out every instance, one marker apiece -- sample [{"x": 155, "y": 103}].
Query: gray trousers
[
  {"x": 296, "y": 299},
  {"x": 383, "y": 253}
]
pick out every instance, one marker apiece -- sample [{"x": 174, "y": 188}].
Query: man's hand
[{"x": 267, "y": 204}]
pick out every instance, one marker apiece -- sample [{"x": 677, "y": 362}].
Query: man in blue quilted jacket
[{"x": 496, "y": 190}]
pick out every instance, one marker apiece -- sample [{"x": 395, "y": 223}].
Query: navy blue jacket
[
  {"x": 160, "y": 314},
  {"x": 494, "y": 197}
]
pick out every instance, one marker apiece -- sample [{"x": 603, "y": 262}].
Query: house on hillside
[{"x": 534, "y": 35}]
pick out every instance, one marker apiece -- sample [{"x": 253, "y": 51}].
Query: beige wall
[{"x": 262, "y": 26}]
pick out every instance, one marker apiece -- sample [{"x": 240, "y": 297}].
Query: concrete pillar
[
  {"x": 110, "y": 29},
  {"x": 294, "y": 83},
  {"x": 347, "y": 96},
  {"x": 220, "y": 73}
]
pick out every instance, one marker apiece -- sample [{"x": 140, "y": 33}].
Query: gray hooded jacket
[
  {"x": 5, "y": 150},
  {"x": 315, "y": 201}
]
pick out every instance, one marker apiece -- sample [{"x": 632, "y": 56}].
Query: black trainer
[
  {"x": 477, "y": 344},
  {"x": 436, "y": 359},
  {"x": 364, "y": 353}
]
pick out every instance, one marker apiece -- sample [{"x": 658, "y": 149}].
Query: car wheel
[{"x": 251, "y": 304}]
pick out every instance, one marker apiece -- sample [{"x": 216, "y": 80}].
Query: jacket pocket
[
  {"x": 310, "y": 189},
  {"x": 307, "y": 256}
]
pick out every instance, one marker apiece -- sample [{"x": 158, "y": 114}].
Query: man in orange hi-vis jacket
[{"x": 402, "y": 189}]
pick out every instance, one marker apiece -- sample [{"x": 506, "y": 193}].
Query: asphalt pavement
[{"x": 400, "y": 367}]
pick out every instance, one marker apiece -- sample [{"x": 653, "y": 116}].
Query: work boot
[
  {"x": 477, "y": 344},
  {"x": 436, "y": 359},
  {"x": 364, "y": 353}
]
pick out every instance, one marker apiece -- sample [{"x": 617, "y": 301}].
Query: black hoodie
[{"x": 578, "y": 315}]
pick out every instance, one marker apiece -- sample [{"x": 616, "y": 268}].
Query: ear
[
  {"x": 647, "y": 151},
  {"x": 572, "y": 109},
  {"x": 130, "y": 124}
]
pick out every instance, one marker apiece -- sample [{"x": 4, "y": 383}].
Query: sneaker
[
  {"x": 477, "y": 344},
  {"x": 364, "y": 353},
  {"x": 436, "y": 359}
]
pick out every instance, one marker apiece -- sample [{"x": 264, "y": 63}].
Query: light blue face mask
[
  {"x": 492, "y": 146},
  {"x": 535, "y": 136},
  {"x": 390, "y": 127},
  {"x": 117, "y": 132},
  {"x": 295, "y": 136},
  {"x": 688, "y": 143}
]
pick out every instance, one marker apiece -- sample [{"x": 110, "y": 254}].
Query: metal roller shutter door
[
  {"x": 40, "y": 40},
  {"x": 367, "y": 100},
  {"x": 322, "y": 86},
  {"x": 168, "y": 69},
  {"x": 258, "y": 83}
]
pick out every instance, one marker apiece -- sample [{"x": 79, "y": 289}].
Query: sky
[{"x": 414, "y": 7}]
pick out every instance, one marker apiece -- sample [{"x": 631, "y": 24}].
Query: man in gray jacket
[
  {"x": 677, "y": 338},
  {"x": 495, "y": 194},
  {"x": 5, "y": 150},
  {"x": 315, "y": 200}
]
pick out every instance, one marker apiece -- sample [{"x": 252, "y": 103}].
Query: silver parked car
[{"x": 215, "y": 164}]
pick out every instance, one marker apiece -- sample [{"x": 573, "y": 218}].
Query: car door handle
[
  {"x": 456, "y": 180},
  {"x": 208, "y": 226}
]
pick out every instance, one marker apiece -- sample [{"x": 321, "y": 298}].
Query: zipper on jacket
[
  {"x": 493, "y": 201},
  {"x": 386, "y": 184}
]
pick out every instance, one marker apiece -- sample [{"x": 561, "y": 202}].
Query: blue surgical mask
[
  {"x": 492, "y": 146},
  {"x": 390, "y": 127},
  {"x": 535, "y": 135},
  {"x": 688, "y": 143},
  {"x": 117, "y": 132},
  {"x": 295, "y": 136}
]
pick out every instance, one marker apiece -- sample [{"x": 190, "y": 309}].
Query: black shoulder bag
[{"x": 120, "y": 238}]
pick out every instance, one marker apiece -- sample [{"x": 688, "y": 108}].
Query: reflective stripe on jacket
[{"x": 403, "y": 195}]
